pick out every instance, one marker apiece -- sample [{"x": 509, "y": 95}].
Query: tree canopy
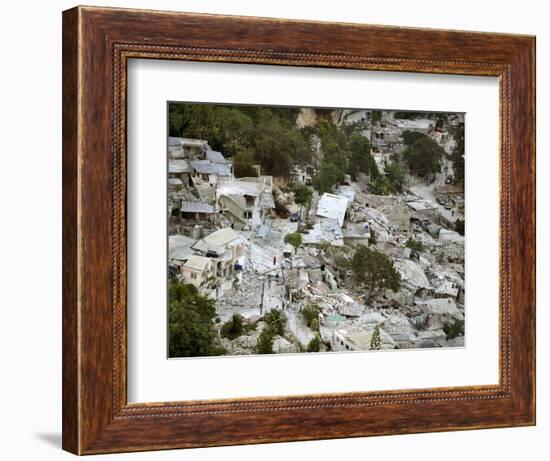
[
  {"x": 375, "y": 270},
  {"x": 361, "y": 160},
  {"x": 266, "y": 136},
  {"x": 423, "y": 156},
  {"x": 243, "y": 165},
  {"x": 190, "y": 323},
  {"x": 295, "y": 239},
  {"x": 457, "y": 156},
  {"x": 302, "y": 194},
  {"x": 395, "y": 177}
]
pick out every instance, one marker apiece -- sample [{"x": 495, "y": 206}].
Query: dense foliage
[
  {"x": 395, "y": 177},
  {"x": 314, "y": 344},
  {"x": 302, "y": 195},
  {"x": 457, "y": 155},
  {"x": 295, "y": 239},
  {"x": 276, "y": 321},
  {"x": 234, "y": 327},
  {"x": 275, "y": 326},
  {"x": 190, "y": 323},
  {"x": 264, "y": 345},
  {"x": 260, "y": 135},
  {"x": 454, "y": 329},
  {"x": 243, "y": 164},
  {"x": 310, "y": 314},
  {"x": 361, "y": 160},
  {"x": 422, "y": 154},
  {"x": 459, "y": 226},
  {"x": 375, "y": 270}
]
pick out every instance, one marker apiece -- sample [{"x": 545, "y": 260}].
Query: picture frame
[{"x": 97, "y": 44}]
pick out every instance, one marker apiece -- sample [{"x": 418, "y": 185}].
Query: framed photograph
[{"x": 282, "y": 230}]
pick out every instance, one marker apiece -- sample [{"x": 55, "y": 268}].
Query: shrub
[
  {"x": 414, "y": 245},
  {"x": 234, "y": 327},
  {"x": 265, "y": 342},
  {"x": 375, "y": 270},
  {"x": 191, "y": 323},
  {"x": 310, "y": 313},
  {"x": 459, "y": 226},
  {"x": 375, "y": 341},
  {"x": 295, "y": 239},
  {"x": 314, "y": 344},
  {"x": 372, "y": 238},
  {"x": 454, "y": 329},
  {"x": 276, "y": 321}
]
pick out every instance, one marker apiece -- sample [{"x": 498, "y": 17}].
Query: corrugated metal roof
[
  {"x": 196, "y": 207},
  {"x": 209, "y": 167},
  {"x": 178, "y": 166},
  {"x": 333, "y": 207},
  {"x": 215, "y": 157}
]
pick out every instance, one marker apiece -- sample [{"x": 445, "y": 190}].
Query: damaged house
[
  {"x": 226, "y": 248},
  {"x": 186, "y": 148},
  {"x": 200, "y": 272},
  {"x": 245, "y": 201},
  {"x": 208, "y": 171}
]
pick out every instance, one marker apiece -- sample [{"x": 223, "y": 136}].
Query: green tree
[
  {"x": 275, "y": 326},
  {"x": 361, "y": 160},
  {"x": 457, "y": 156},
  {"x": 375, "y": 341},
  {"x": 276, "y": 321},
  {"x": 407, "y": 115},
  {"x": 375, "y": 270},
  {"x": 334, "y": 154},
  {"x": 226, "y": 128},
  {"x": 310, "y": 313},
  {"x": 329, "y": 175},
  {"x": 459, "y": 226},
  {"x": 372, "y": 238},
  {"x": 268, "y": 135},
  {"x": 380, "y": 186},
  {"x": 454, "y": 329},
  {"x": 302, "y": 196},
  {"x": 314, "y": 344},
  {"x": 395, "y": 177},
  {"x": 424, "y": 156},
  {"x": 277, "y": 143},
  {"x": 295, "y": 239},
  {"x": 234, "y": 327},
  {"x": 264, "y": 345},
  {"x": 190, "y": 323},
  {"x": 410, "y": 137},
  {"x": 243, "y": 165},
  {"x": 415, "y": 245}
]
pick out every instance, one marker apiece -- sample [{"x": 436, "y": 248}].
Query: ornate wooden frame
[{"x": 97, "y": 43}]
